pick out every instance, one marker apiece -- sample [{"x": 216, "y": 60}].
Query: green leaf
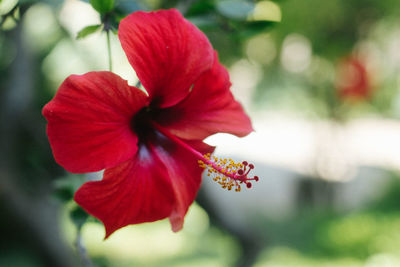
[
  {"x": 206, "y": 22},
  {"x": 87, "y": 31},
  {"x": 200, "y": 8},
  {"x": 64, "y": 188},
  {"x": 255, "y": 27},
  {"x": 7, "y": 5},
  {"x": 102, "y": 6},
  {"x": 79, "y": 216},
  {"x": 235, "y": 9},
  {"x": 63, "y": 194}
]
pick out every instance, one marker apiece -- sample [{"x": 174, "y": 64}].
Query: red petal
[
  {"x": 167, "y": 52},
  {"x": 160, "y": 181},
  {"x": 209, "y": 109},
  {"x": 186, "y": 178},
  {"x": 134, "y": 192},
  {"x": 89, "y": 121}
]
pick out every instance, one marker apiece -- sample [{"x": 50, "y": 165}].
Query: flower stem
[
  {"x": 81, "y": 249},
  {"x": 109, "y": 50}
]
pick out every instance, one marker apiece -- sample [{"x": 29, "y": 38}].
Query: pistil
[{"x": 225, "y": 172}]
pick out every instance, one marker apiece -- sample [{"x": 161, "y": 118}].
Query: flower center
[
  {"x": 141, "y": 123},
  {"x": 225, "y": 172}
]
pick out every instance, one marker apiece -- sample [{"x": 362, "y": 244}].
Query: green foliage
[
  {"x": 251, "y": 28},
  {"x": 7, "y": 5},
  {"x": 389, "y": 202},
  {"x": 88, "y": 30},
  {"x": 123, "y": 7},
  {"x": 331, "y": 235},
  {"x": 102, "y": 6},
  {"x": 65, "y": 187},
  {"x": 78, "y": 216},
  {"x": 201, "y": 8}
]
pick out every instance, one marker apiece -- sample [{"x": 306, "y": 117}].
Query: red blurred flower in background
[
  {"x": 352, "y": 79},
  {"x": 149, "y": 144}
]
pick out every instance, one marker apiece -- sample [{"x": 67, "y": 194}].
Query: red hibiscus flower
[
  {"x": 352, "y": 79},
  {"x": 150, "y": 144}
]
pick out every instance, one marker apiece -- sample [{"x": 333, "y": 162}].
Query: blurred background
[{"x": 322, "y": 85}]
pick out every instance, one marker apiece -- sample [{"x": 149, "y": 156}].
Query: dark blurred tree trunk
[
  {"x": 249, "y": 241},
  {"x": 316, "y": 194},
  {"x": 29, "y": 220}
]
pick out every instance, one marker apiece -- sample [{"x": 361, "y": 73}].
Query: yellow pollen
[{"x": 227, "y": 173}]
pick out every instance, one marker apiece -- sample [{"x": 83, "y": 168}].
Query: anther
[{"x": 227, "y": 173}]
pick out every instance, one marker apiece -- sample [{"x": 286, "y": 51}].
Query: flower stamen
[{"x": 227, "y": 173}]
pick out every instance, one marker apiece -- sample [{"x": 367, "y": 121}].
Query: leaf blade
[{"x": 88, "y": 30}]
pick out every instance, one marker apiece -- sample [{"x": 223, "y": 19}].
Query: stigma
[{"x": 227, "y": 173}]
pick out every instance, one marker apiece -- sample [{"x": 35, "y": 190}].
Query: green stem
[
  {"x": 87, "y": 262},
  {"x": 109, "y": 50}
]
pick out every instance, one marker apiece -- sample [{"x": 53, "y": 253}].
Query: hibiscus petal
[
  {"x": 167, "y": 52},
  {"x": 210, "y": 108},
  {"x": 161, "y": 181},
  {"x": 134, "y": 192},
  {"x": 89, "y": 121},
  {"x": 185, "y": 176}
]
